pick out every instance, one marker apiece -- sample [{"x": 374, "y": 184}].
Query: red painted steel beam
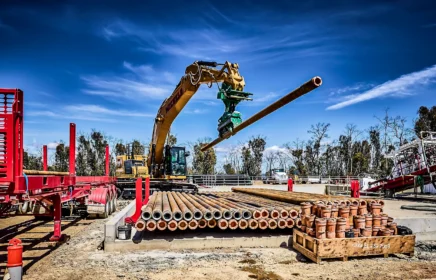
[
  {"x": 44, "y": 158},
  {"x": 107, "y": 161},
  {"x": 72, "y": 149}
]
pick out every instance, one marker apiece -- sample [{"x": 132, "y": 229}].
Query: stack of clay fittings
[{"x": 346, "y": 218}]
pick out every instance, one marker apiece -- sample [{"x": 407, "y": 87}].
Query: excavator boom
[{"x": 196, "y": 74}]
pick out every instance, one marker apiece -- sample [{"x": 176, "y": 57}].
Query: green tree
[
  {"x": 62, "y": 155},
  {"x": 31, "y": 161},
  {"x": 252, "y": 155},
  {"x": 203, "y": 162},
  {"x": 228, "y": 169},
  {"x": 171, "y": 140},
  {"x": 426, "y": 120}
]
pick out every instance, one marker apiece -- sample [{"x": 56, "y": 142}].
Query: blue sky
[{"x": 108, "y": 65}]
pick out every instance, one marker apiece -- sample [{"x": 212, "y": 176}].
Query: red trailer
[{"x": 42, "y": 193}]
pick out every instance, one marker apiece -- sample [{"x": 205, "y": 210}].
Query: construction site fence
[{"x": 245, "y": 180}]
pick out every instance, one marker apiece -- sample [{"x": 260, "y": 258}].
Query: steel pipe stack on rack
[{"x": 224, "y": 210}]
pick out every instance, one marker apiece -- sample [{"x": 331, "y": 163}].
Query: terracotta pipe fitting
[
  {"x": 359, "y": 222},
  {"x": 182, "y": 225},
  {"x": 331, "y": 225},
  {"x": 366, "y": 232},
  {"x": 340, "y": 234},
  {"x": 172, "y": 225},
  {"x": 341, "y": 224},
  {"x": 376, "y": 209},
  {"x": 310, "y": 221},
  {"x": 375, "y": 230},
  {"x": 362, "y": 210},
  {"x": 320, "y": 226},
  {"x": 305, "y": 208},
  {"x": 376, "y": 221},
  {"x": 303, "y": 220},
  {"x": 151, "y": 225},
  {"x": 356, "y": 232},
  {"x": 310, "y": 232},
  {"x": 353, "y": 210},
  {"x": 331, "y": 234},
  {"x": 334, "y": 213},
  {"x": 368, "y": 220},
  {"x": 253, "y": 224}
]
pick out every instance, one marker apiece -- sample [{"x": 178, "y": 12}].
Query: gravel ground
[{"x": 83, "y": 258}]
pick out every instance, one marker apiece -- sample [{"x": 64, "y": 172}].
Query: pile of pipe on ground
[
  {"x": 224, "y": 210},
  {"x": 346, "y": 219},
  {"x": 181, "y": 211}
]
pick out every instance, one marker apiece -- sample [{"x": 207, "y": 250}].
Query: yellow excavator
[{"x": 166, "y": 165}]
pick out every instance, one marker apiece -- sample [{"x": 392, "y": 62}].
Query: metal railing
[{"x": 245, "y": 180}]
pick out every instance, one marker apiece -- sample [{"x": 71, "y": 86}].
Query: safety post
[
  {"x": 355, "y": 189},
  {"x": 290, "y": 185},
  {"x": 140, "y": 200},
  {"x": 15, "y": 259},
  {"x": 44, "y": 157}
]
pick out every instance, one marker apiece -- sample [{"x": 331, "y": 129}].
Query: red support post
[
  {"x": 355, "y": 189},
  {"x": 290, "y": 185},
  {"x": 140, "y": 200},
  {"x": 107, "y": 161},
  {"x": 147, "y": 190},
  {"x": 57, "y": 205},
  {"x": 44, "y": 157},
  {"x": 72, "y": 149}
]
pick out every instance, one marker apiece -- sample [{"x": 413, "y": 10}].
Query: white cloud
[
  {"x": 402, "y": 86},
  {"x": 147, "y": 82},
  {"x": 51, "y": 114},
  {"x": 52, "y": 145},
  {"x": 275, "y": 148},
  {"x": 222, "y": 149},
  {"x": 102, "y": 110}
]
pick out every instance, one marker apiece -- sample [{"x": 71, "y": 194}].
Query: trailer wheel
[
  {"x": 114, "y": 204},
  {"x": 106, "y": 209},
  {"x": 389, "y": 193}
]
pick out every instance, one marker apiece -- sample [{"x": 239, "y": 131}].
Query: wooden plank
[
  {"x": 344, "y": 248},
  {"x": 376, "y": 245}
]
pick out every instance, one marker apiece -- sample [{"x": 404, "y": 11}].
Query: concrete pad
[
  {"x": 111, "y": 227},
  {"x": 201, "y": 239}
]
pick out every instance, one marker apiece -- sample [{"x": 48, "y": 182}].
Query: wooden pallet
[{"x": 343, "y": 248}]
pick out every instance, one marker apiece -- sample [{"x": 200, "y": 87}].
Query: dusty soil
[{"x": 83, "y": 258}]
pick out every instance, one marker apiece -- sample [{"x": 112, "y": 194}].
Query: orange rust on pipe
[
  {"x": 281, "y": 223},
  {"x": 172, "y": 225},
  {"x": 275, "y": 214},
  {"x": 243, "y": 224},
  {"x": 272, "y": 224},
  {"x": 263, "y": 224},
  {"x": 303, "y": 89},
  {"x": 202, "y": 223},
  {"x": 253, "y": 224},
  {"x": 298, "y": 223},
  {"x": 193, "y": 224},
  {"x": 257, "y": 214},
  {"x": 290, "y": 223},
  {"x": 162, "y": 225},
  {"x": 151, "y": 225},
  {"x": 233, "y": 224},
  {"x": 140, "y": 225},
  {"x": 182, "y": 225},
  {"x": 212, "y": 223},
  {"x": 265, "y": 213},
  {"x": 284, "y": 214},
  {"x": 223, "y": 224},
  {"x": 293, "y": 214}
]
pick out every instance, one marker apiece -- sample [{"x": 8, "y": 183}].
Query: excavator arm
[{"x": 196, "y": 74}]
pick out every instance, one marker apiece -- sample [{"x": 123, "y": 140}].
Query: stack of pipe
[
  {"x": 180, "y": 211},
  {"x": 251, "y": 209}
]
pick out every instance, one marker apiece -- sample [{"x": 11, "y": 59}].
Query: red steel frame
[{"x": 17, "y": 187}]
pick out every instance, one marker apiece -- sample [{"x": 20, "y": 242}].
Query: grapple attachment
[{"x": 231, "y": 118}]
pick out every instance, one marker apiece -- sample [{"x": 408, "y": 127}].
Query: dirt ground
[{"x": 83, "y": 258}]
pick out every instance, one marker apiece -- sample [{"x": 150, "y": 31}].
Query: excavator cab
[{"x": 175, "y": 161}]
